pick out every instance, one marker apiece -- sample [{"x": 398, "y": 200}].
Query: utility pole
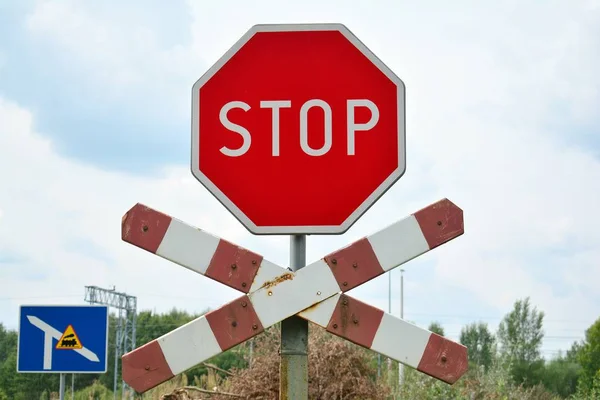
[
  {"x": 390, "y": 292},
  {"x": 400, "y": 365},
  {"x": 389, "y": 312}
]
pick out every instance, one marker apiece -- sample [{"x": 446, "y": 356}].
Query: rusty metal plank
[
  {"x": 144, "y": 227},
  {"x": 234, "y": 266},
  {"x": 354, "y": 320},
  {"x": 146, "y": 368},
  {"x": 440, "y": 222},
  {"x": 234, "y": 322},
  {"x": 354, "y": 264},
  {"x": 444, "y": 359}
]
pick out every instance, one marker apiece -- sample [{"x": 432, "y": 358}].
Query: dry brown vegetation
[
  {"x": 340, "y": 370},
  {"x": 337, "y": 370}
]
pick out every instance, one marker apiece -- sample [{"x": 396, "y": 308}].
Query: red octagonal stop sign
[{"x": 298, "y": 129}]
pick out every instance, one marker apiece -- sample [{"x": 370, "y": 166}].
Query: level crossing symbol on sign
[
  {"x": 69, "y": 340},
  {"x": 297, "y": 129},
  {"x": 62, "y": 339},
  {"x": 271, "y": 294}
]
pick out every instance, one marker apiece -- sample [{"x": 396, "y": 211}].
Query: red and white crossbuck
[{"x": 272, "y": 294}]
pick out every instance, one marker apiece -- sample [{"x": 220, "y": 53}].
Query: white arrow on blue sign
[{"x": 42, "y": 347}]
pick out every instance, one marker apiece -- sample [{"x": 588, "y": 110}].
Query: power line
[
  {"x": 78, "y": 295},
  {"x": 475, "y": 318},
  {"x": 433, "y": 316},
  {"x": 39, "y": 297}
]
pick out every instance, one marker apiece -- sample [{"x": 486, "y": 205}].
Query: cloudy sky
[{"x": 502, "y": 118}]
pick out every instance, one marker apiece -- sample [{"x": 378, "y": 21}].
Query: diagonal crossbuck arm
[{"x": 273, "y": 294}]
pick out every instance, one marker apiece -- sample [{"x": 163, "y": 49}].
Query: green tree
[
  {"x": 93, "y": 391},
  {"x": 17, "y": 386},
  {"x": 573, "y": 353},
  {"x": 436, "y": 327},
  {"x": 520, "y": 336},
  {"x": 560, "y": 375},
  {"x": 480, "y": 343},
  {"x": 8, "y": 343},
  {"x": 589, "y": 355},
  {"x": 151, "y": 326},
  {"x": 589, "y": 393}
]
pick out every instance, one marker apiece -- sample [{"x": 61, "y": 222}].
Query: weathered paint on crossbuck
[{"x": 273, "y": 294}]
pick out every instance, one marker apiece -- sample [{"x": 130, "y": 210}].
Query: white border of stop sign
[{"x": 353, "y": 128}]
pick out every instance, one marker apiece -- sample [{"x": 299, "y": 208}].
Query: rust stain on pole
[{"x": 283, "y": 384}]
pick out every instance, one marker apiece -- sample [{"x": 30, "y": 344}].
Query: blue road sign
[{"x": 63, "y": 339}]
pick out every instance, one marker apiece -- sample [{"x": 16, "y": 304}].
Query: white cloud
[
  {"x": 451, "y": 61},
  {"x": 117, "y": 58},
  {"x": 491, "y": 98},
  {"x": 61, "y": 225}
]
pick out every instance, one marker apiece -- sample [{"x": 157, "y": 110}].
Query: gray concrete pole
[{"x": 293, "y": 372}]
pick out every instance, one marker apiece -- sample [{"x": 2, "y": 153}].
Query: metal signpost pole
[
  {"x": 61, "y": 390},
  {"x": 293, "y": 372}
]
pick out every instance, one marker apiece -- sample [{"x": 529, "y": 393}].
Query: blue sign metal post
[{"x": 63, "y": 339}]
